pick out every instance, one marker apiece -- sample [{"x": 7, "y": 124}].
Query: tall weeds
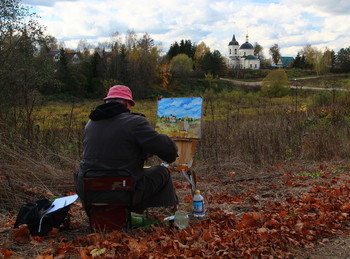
[
  {"x": 37, "y": 159},
  {"x": 29, "y": 172},
  {"x": 260, "y": 132}
]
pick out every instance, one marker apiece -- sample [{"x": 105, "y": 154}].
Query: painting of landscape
[{"x": 180, "y": 117}]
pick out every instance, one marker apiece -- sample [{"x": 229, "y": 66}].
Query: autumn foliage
[{"x": 270, "y": 228}]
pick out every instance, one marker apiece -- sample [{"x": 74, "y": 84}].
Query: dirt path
[
  {"x": 242, "y": 82},
  {"x": 259, "y": 83}
]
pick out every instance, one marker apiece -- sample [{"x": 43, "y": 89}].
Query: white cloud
[
  {"x": 44, "y": 2},
  {"x": 290, "y": 23},
  {"x": 330, "y": 7}
]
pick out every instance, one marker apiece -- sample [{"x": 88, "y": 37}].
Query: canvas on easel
[{"x": 180, "y": 118}]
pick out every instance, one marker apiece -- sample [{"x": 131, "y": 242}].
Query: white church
[{"x": 242, "y": 56}]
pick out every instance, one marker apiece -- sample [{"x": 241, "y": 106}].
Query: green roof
[
  {"x": 251, "y": 57},
  {"x": 286, "y": 61}
]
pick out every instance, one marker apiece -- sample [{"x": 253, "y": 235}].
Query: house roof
[
  {"x": 69, "y": 55},
  {"x": 52, "y": 53},
  {"x": 106, "y": 54},
  {"x": 251, "y": 57},
  {"x": 286, "y": 61}
]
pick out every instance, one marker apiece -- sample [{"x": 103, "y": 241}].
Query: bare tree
[{"x": 20, "y": 75}]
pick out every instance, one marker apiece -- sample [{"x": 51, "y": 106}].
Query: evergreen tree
[
  {"x": 173, "y": 50},
  {"x": 185, "y": 47},
  {"x": 300, "y": 62},
  {"x": 213, "y": 63},
  {"x": 343, "y": 59}
]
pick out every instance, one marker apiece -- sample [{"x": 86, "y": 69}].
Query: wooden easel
[
  {"x": 183, "y": 164},
  {"x": 186, "y": 150}
]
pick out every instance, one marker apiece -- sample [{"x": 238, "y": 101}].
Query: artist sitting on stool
[{"x": 115, "y": 138}]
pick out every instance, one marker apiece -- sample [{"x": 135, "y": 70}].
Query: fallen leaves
[
  {"x": 253, "y": 219},
  {"x": 267, "y": 229},
  {"x": 6, "y": 253},
  {"x": 21, "y": 234}
]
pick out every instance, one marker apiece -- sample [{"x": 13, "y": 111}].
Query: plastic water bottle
[{"x": 198, "y": 204}]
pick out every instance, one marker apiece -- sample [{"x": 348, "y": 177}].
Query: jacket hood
[{"x": 107, "y": 110}]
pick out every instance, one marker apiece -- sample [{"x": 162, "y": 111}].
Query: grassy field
[
  {"x": 234, "y": 116},
  {"x": 59, "y": 114},
  {"x": 326, "y": 81}
]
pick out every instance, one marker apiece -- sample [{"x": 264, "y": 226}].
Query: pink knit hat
[{"x": 120, "y": 91}]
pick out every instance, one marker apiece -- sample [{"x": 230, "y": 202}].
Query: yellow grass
[{"x": 60, "y": 114}]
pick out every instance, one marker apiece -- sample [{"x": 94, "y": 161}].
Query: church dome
[
  {"x": 233, "y": 42},
  {"x": 246, "y": 45}
]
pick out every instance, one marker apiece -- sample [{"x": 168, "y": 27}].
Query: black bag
[{"x": 32, "y": 214}]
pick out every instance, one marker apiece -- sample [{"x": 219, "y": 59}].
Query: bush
[
  {"x": 181, "y": 65},
  {"x": 248, "y": 73},
  {"x": 323, "y": 99},
  {"x": 274, "y": 84},
  {"x": 255, "y": 73},
  {"x": 295, "y": 73}
]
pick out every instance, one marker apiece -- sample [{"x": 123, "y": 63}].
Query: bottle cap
[{"x": 197, "y": 192}]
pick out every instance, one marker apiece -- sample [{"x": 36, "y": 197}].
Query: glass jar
[{"x": 181, "y": 219}]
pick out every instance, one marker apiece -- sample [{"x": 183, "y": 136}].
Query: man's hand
[{"x": 170, "y": 168}]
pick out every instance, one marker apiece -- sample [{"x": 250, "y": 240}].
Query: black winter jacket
[{"x": 116, "y": 138}]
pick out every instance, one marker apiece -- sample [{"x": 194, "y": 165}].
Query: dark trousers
[{"x": 155, "y": 189}]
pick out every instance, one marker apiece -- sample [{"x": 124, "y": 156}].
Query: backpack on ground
[{"x": 38, "y": 222}]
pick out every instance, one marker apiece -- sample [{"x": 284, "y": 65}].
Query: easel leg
[{"x": 190, "y": 176}]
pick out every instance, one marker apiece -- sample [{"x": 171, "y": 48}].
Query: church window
[
  {"x": 235, "y": 51},
  {"x": 230, "y": 51}
]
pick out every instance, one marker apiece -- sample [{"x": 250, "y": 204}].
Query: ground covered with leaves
[{"x": 294, "y": 211}]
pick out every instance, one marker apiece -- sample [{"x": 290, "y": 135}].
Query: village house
[
  {"x": 285, "y": 62},
  {"x": 55, "y": 55}
]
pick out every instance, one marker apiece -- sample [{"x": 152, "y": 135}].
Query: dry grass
[
  {"x": 277, "y": 133},
  {"x": 31, "y": 172}
]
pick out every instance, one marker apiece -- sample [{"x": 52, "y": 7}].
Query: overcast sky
[{"x": 291, "y": 24}]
